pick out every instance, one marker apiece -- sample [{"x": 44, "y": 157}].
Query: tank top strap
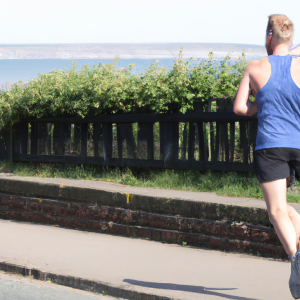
[{"x": 281, "y": 66}]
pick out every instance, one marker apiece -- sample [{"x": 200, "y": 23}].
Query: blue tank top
[{"x": 278, "y": 105}]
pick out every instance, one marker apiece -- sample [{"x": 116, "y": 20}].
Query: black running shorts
[{"x": 277, "y": 163}]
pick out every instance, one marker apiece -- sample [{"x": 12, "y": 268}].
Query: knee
[
  {"x": 293, "y": 214},
  {"x": 277, "y": 212}
]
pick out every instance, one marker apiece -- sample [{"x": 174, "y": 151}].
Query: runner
[{"x": 274, "y": 80}]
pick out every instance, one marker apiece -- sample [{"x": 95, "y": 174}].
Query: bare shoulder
[
  {"x": 296, "y": 62},
  {"x": 258, "y": 63}
]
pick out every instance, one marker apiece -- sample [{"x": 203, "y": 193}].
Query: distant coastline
[{"x": 127, "y": 51}]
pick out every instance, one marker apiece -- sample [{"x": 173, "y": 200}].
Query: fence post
[
  {"x": 24, "y": 137},
  {"x": 33, "y": 138},
  {"x": 11, "y": 144},
  {"x": 145, "y": 142},
  {"x": 232, "y": 140},
  {"x": 96, "y": 135},
  {"x": 191, "y": 145},
  {"x": 59, "y": 139},
  {"x": 84, "y": 139},
  {"x": 107, "y": 141},
  {"x": 170, "y": 143},
  {"x": 125, "y": 133},
  {"x": 217, "y": 142},
  {"x": 202, "y": 141},
  {"x": 222, "y": 140},
  {"x": 226, "y": 141},
  {"x": 42, "y": 138},
  {"x": 77, "y": 137},
  {"x": 184, "y": 141},
  {"x": 244, "y": 140}
]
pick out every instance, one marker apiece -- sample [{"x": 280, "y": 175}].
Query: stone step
[{"x": 223, "y": 235}]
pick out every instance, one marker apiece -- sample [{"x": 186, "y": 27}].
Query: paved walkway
[
  {"x": 109, "y": 186},
  {"x": 139, "y": 265}
]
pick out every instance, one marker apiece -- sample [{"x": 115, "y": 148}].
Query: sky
[{"x": 141, "y": 21}]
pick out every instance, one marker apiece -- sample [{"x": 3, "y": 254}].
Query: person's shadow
[{"x": 187, "y": 288}]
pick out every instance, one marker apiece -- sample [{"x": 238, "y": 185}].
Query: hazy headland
[{"x": 127, "y": 51}]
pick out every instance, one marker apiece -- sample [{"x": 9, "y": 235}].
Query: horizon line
[{"x": 143, "y": 43}]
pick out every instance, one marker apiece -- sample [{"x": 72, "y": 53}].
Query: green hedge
[{"x": 109, "y": 89}]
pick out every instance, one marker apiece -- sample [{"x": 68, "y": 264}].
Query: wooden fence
[{"x": 196, "y": 140}]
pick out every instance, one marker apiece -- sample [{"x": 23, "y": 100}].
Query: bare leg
[
  {"x": 275, "y": 196},
  {"x": 295, "y": 218}
]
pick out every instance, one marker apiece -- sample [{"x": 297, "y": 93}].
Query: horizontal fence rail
[{"x": 196, "y": 140}]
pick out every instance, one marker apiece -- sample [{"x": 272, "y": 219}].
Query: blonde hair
[{"x": 282, "y": 28}]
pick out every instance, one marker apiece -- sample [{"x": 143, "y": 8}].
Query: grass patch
[{"x": 236, "y": 184}]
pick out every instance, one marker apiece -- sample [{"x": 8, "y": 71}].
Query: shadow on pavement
[{"x": 187, "y": 288}]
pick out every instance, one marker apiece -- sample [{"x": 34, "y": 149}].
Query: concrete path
[
  {"x": 14, "y": 287},
  {"x": 139, "y": 265},
  {"x": 175, "y": 194}
]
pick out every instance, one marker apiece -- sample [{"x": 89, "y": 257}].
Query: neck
[{"x": 280, "y": 50}]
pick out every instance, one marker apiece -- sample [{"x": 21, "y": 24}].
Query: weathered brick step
[
  {"x": 171, "y": 206},
  {"x": 169, "y": 236},
  {"x": 222, "y": 229}
]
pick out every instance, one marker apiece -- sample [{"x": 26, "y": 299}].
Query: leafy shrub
[{"x": 107, "y": 89}]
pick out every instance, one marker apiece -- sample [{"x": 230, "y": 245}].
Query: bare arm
[{"x": 242, "y": 105}]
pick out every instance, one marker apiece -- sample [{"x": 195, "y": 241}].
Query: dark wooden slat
[
  {"x": 24, "y": 137},
  {"x": 84, "y": 139},
  {"x": 202, "y": 141},
  {"x": 140, "y": 118},
  {"x": 130, "y": 140},
  {"x": 48, "y": 158},
  {"x": 107, "y": 141},
  {"x": 232, "y": 140},
  {"x": 244, "y": 140},
  {"x": 198, "y": 105},
  {"x": 33, "y": 138},
  {"x": 226, "y": 140},
  {"x": 20, "y": 138},
  {"x": 191, "y": 145},
  {"x": 217, "y": 142},
  {"x": 68, "y": 141},
  {"x": 11, "y": 144},
  {"x": 5, "y": 142},
  {"x": 77, "y": 138},
  {"x": 175, "y": 140},
  {"x": 96, "y": 137},
  {"x": 49, "y": 142},
  {"x": 169, "y": 146},
  {"x": 206, "y": 133},
  {"x": 120, "y": 139},
  {"x": 184, "y": 141},
  {"x": 16, "y": 139},
  {"x": 221, "y": 144},
  {"x": 59, "y": 139},
  {"x": 42, "y": 138},
  {"x": 212, "y": 141},
  {"x": 145, "y": 141},
  {"x": 169, "y": 140}
]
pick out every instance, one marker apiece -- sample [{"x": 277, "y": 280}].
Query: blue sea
[{"x": 14, "y": 70}]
